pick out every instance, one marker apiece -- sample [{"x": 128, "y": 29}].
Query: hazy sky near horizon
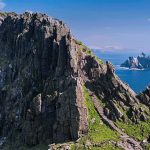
[{"x": 101, "y": 24}]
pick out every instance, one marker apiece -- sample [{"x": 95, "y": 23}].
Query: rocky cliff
[
  {"x": 140, "y": 62},
  {"x": 43, "y": 70},
  {"x": 145, "y": 96}
]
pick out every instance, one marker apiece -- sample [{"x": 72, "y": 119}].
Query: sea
[{"x": 138, "y": 80}]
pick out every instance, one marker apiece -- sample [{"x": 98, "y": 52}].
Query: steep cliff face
[
  {"x": 42, "y": 73},
  {"x": 39, "y": 93}
]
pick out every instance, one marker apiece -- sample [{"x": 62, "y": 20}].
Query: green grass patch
[
  {"x": 87, "y": 51},
  {"x": 100, "y": 136},
  {"x": 139, "y": 131},
  {"x": 107, "y": 147},
  {"x": 98, "y": 131},
  {"x": 78, "y": 42},
  {"x": 147, "y": 147},
  {"x": 98, "y": 59},
  {"x": 103, "y": 147},
  {"x": 145, "y": 108}
]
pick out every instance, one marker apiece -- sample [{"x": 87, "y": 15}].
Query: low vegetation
[
  {"x": 140, "y": 131},
  {"x": 103, "y": 131},
  {"x": 88, "y": 51},
  {"x": 100, "y": 136}
]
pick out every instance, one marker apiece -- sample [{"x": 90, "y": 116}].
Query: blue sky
[{"x": 103, "y": 24}]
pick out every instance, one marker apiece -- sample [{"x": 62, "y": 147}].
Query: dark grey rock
[{"x": 42, "y": 73}]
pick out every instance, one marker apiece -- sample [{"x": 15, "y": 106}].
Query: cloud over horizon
[
  {"x": 108, "y": 47},
  {"x": 2, "y": 4},
  {"x": 116, "y": 49}
]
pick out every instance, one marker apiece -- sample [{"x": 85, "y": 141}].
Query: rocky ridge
[{"x": 43, "y": 69}]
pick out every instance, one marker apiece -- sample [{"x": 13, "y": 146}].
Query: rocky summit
[
  {"x": 54, "y": 91},
  {"x": 140, "y": 62}
]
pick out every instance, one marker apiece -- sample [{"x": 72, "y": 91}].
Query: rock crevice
[{"x": 42, "y": 71}]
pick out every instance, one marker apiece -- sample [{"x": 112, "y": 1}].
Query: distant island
[{"x": 140, "y": 62}]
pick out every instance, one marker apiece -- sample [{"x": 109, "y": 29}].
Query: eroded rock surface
[
  {"x": 40, "y": 95},
  {"x": 42, "y": 72},
  {"x": 145, "y": 96}
]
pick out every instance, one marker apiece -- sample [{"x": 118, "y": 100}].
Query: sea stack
[{"x": 140, "y": 62}]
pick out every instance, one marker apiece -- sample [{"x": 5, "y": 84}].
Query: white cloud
[
  {"x": 108, "y": 48},
  {"x": 2, "y": 4},
  {"x": 115, "y": 49},
  {"x": 148, "y": 19}
]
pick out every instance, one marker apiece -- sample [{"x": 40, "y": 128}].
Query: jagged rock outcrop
[
  {"x": 145, "y": 96},
  {"x": 42, "y": 71},
  {"x": 40, "y": 95},
  {"x": 141, "y": 62}
]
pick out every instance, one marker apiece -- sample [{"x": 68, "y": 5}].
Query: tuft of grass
[
  {"x": 78, "y": 42},
  {"x": 147, "y": 147},
  {"x": 107, "y": 147},
  {"x": 99, "y": 60}
]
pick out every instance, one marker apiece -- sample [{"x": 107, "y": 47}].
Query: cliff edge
[{"x": 44, "y": 73}]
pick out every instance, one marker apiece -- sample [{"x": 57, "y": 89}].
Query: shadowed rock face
[
  {"x": 42, "y": 71},
  {"x": 145, "y": 96},
  {"x": 39, "y": 96}
]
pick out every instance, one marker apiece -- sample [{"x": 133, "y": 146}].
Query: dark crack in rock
[{"x": 42, "y": 71}]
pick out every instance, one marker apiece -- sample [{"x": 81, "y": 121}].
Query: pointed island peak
[{"x": 140, "y": 62}]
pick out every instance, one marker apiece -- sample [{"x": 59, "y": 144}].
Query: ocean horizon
[{"x": 138, "y": 80}]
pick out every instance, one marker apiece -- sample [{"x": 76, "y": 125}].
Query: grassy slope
[
  {"x": 98, "y": 131},
  {"x": 139, "y": 131}
]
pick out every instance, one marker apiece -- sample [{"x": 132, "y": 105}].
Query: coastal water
[{"x": 138, "y": 80}]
